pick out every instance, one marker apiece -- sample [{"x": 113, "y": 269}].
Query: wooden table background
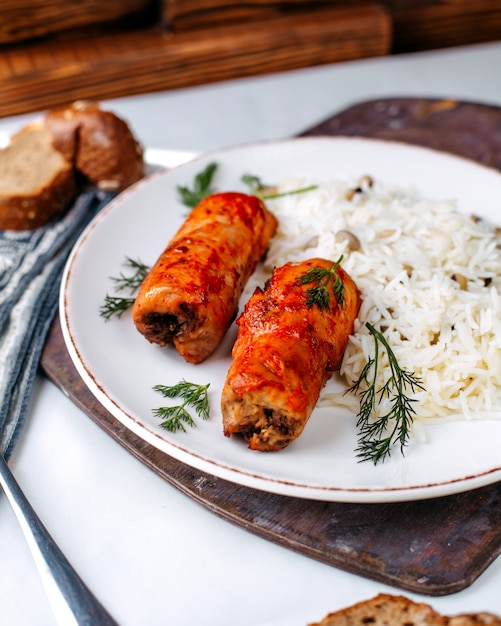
[{"x": 53, "y": 52}]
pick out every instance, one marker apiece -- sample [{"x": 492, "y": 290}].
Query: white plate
[{"x": 120, "y": 367}]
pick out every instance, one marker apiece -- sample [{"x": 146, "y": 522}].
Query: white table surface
[{"x": 149, "y": 553}]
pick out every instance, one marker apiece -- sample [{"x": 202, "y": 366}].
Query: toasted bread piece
[
  {"x": 385, "y": 610},
  {"x": 391, "y": 610},
  {"x": 99, "y": 144},
  {"x": 36, "y": 181}
]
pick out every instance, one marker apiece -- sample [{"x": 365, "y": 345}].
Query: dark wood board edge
[
  {"x": 433, "y": 547},
  {"x": 465, "y": 129}
]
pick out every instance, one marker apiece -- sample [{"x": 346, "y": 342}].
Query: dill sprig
[
  {"x": 378, "y": 435},
  {"x": 268, "y": 192},
  {"x": 175, "y": 417},
  {"x": 322, "y": 278},
  {"x": 201, "y": 187},
  {"x": 133, "y": 281},
  {"x": 203, "y": 181},
  {"x": 116, "y": 306}
]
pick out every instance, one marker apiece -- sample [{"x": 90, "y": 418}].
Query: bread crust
[
  {"x": 472, "y": 619},
  {"x": 385, "y": 609},
  {"x": 393, "y": 610},
  {"x": 98, "y": 143}
]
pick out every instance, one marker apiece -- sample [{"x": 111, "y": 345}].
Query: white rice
[{"x": 410, "y": 249}]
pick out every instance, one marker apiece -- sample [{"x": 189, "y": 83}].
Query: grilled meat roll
[
  {"x": 286, "y": 349},
  {"x": 190, "y": 296}
]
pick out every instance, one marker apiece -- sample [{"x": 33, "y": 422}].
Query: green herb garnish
[
  {"x": 175, "y": 417},
  {"x": 201, "y": 187},
  {"x": 268, "y": 192},
  {"x": 323, "y": 278},
  {"x": 115, "y": 306},
  {"x": 133, "y": 281},
  {"x": 377, "y": 436}
]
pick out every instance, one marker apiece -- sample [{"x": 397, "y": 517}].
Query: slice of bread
[
  {"x": 392, "y": 610},
  {"x": 99, "y": 144},
  {"x": 36, "y": 181}
]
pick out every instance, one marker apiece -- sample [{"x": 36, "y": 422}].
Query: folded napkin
[{"x": 31, "y": 265}]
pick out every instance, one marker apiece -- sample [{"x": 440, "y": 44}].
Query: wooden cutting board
[{"x": 433, "y": 547}]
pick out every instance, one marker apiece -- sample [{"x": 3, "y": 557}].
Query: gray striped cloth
[{"x": 31, "y": 265}]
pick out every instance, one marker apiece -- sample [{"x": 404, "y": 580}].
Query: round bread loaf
[{"x": 99, "y": 144}]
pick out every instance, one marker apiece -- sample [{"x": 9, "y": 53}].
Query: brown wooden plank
[
  {"x": 21, "y": 20},
  {"x": 433, "y": 25},
  {"x": 179, "y": 8},
  {"x": 177, "y": 19},
  {"x": 130, "y": 63},
  {"x": 182, "y": 15},
  {"x": 433, "y": 547}
]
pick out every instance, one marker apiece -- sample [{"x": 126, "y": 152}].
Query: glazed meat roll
[
  {"x": 190, "y": 296},
  {"x": 291, "y": 337}
]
